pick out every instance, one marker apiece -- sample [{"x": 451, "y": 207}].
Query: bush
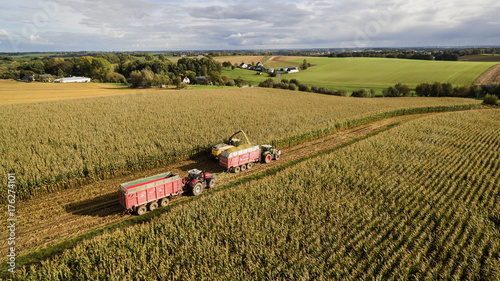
[
  {"x": 284, "y": 86},
  {"x": 362, "y": 93},
  {"x": 304, "y": 88},
  {"x": 284, "y": 80},
  {"x": 343, "y": 93},
  {"x": 292, "y": 87},
  {"x": 294, "y": 81},
  {"x": 491, "y": 99},
  {"x": 315, "y": 89},
  {"x": 115, "y": 77},
  {"x": 268, "y": 83}
]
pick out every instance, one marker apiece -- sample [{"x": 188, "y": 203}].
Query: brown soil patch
[{"x": 490, "y": 76}]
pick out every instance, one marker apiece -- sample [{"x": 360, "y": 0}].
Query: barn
[{"x": 72, "y": 79}]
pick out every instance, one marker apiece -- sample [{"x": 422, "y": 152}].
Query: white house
[
  {"x": 270, "y": 70},
  {"x": 72, "y": 79},
  {"x": 185, "y": 79},
  {"x": 243, "y": 65},
  {"x": 292, "y": 69}
]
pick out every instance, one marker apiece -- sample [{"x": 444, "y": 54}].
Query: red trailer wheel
[
  {"x": 277, "y": 157},
  {"x": 141, "y": 210},
  {"x": 153, "y": 206},
  {"x": 164, "y": 202},
  {"x": 249, "y": 165},
  {"x": 243, "y": 167},
  {"x": 236, "y": 169}
]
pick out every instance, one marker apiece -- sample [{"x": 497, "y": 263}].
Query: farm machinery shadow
[{"x": 100, "y": 206}]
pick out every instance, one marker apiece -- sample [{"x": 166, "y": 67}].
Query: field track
[
  {"x": 490, "y": 76},
  {"x": 54, "y": 218}
]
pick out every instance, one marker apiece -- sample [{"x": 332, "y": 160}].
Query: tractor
[
  {"x": 267, "y": 153},
  {"x": 198, "y": 180}
]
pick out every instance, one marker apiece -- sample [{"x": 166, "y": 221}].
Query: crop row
[
  {"x": 60, "y": 144},
  {"x": 414, "y": 202}
]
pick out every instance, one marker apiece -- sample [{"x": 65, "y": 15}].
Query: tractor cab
[
  {"x": 234, "y": 142},
  {"x": 195, "y": 174},
  {"x": 198, "y": 180}
]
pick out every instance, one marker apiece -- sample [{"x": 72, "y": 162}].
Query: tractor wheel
[
  {"x": 211, "y": 183},
  {"x": 141, "y": 210},
  {"x": 243, "y": 167},
  {"x": 236, "y": 169},
  {"x": 249, "y": 166},
  {"x": 153, "y": 206},
  {"x": 164, "y": 202},
  {"x": 197, "y": 189},
  {"x": 277, "y": 157},
  {"x": 267, "y": 158}
]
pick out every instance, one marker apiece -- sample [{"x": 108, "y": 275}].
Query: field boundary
[{"x": 65, "y": 181}]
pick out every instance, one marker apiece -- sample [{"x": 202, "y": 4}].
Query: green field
[
  {"x": 417, "y": 202},
  {"x": 378, "y": 73},
  {"x": 248, "y": 75}
]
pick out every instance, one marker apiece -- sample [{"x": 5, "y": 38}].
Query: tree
[
  {"x": 437, "y": 90},
  {"x": 149, "y": 57},
  {"x": 404, "y": 90},
  {"x": 177, "y": 82},
  {"x": 143, "y": 78},
  {"x": 100, "y": 68}
]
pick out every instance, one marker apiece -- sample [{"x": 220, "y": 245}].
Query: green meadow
[{"x": 381, "y": 72}]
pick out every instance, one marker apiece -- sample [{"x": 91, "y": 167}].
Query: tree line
[{"x": 121, "y": 68}]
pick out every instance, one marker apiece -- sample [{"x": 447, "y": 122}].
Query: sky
[{"x": 154, "y": 25}]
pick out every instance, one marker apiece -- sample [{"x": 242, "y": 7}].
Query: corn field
[
  {"x": 419, "y": 201},
  {"x": 61, "y": 144}
]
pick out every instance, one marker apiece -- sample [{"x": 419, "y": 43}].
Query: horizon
[{"x": 149, "y": 25}]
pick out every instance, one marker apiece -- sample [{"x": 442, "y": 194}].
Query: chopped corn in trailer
[{"x": 242, "y": 157}]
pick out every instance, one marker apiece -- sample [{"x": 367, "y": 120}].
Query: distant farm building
[
  {"x": 292, "y": 69},
  {"x": 72, "y": 80},
  {"x": 28, "y": 78},
  {"x": 270, "y": 70},
  {"x": 243, "y": 65},
  {"x": 185, "y": 79},
  {"x": 259, "y": 64}
]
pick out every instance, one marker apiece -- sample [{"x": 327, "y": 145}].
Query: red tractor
[{"x": 198, "y": 180}]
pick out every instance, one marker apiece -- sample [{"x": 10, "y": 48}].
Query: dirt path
[
  {"x": 490, "y": 76},
  {"x": 53, "y": 218}
]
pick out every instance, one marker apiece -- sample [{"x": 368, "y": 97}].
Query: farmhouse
[
  {"x": 45, "y": 78},
  {"x": 72, "y": 79},
  {"x": 28, "y": 78},
  {"x": 259, "y": 64},
  {"x": 270, "y": 70},
  {"x": 289, "y": 69},
  {"x": 243, "y": 65},
  {"x": 185, "y": 79}
]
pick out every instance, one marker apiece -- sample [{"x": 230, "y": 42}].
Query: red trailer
[
  {"x": 239, "y": 158},
  {"x": 140, "y": 194}
]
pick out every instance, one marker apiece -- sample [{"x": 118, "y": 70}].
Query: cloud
[{"x": 220, "y": 24}]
